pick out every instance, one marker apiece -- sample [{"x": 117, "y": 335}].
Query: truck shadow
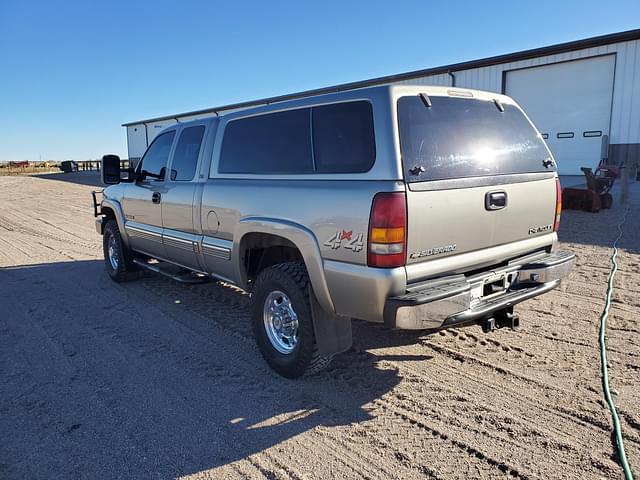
[
  {"x": 94, "y": 371},
  {"x": 91, "y": 178}
]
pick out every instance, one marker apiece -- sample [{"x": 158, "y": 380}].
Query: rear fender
[{"x": 304, "y": 240}]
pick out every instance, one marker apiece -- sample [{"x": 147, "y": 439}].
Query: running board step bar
[{"x": 178, "y": 274}]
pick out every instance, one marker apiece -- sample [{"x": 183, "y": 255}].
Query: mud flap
[{"x": 333, "y": 332}]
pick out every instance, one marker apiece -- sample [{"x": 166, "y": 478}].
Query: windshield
[{"x": 466, "y": 137}]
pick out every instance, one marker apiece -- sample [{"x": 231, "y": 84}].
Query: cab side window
[
  {"x": 154, "y": 162},
  {"x": 267, "y": 144},
  {"x": 185, "y": 158}
]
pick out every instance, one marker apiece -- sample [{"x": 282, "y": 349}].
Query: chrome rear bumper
[{"x": 460, "y": 300}]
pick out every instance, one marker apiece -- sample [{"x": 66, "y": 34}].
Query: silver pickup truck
[{"x": 414, "y": 206}]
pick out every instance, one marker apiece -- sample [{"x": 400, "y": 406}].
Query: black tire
[
  {"x": 292, "y": 280},
  {"x": 124, "y": 268}
]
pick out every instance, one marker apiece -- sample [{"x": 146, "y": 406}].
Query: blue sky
[{"x": 72, "y": 71}]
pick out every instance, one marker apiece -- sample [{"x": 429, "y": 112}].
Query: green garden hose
[{"x": 603, "y": 355}]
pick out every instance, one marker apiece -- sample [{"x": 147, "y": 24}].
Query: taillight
[
  {"x": 556, "y": 222},
  {"x": 388, "y": 230}
]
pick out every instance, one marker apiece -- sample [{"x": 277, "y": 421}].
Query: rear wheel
[
  {"x": 282, "y": 321},
  {"x": 118, "y": 259}
]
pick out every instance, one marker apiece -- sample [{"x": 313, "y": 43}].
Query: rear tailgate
[
  {"x": 479, "y": 176},
  {"x": 449, "y": 222}
]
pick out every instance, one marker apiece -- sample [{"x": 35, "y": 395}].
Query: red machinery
[{"x": 596, "y": 195}]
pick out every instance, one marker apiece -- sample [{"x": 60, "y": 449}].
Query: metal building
[{"x": 584, "y": 97}]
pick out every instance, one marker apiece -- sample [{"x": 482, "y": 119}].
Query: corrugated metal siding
[
  {"x": 153, "y": 129},
  {"x": 443, "y": 80},
  {"x": 136, "y": 141},
  {"x": 625, "y": 116}
]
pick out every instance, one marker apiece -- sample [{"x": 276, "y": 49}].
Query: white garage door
[{"x": 570, "y": 103}]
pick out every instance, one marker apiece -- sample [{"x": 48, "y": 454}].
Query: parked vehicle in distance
[
  {"x": 418, "y": 207},
  {"x": 69, "y": 166}
]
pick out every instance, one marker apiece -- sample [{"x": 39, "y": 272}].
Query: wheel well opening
[
  {"x": 108, "y": 214},
  {"x": 260, "y": 250}
]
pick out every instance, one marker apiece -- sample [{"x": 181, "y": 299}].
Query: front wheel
[
  {"x": 282, "y": 321},
  {"x": 118, "y": 259}
]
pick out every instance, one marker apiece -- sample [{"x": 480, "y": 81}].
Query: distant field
[{"x": 7, "y": 170}]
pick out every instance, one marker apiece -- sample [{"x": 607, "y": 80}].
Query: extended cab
[{"x": 414, "y": 206}]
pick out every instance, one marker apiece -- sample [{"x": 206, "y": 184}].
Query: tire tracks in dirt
[{"x": 448, "y": 406}]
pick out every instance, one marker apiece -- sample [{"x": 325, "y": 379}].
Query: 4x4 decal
[{"x": 354, "y": 243}]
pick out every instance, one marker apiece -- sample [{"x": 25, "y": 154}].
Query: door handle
[
  {"x": 495, "y": 200},
  {"x": 155, "y": 198}
]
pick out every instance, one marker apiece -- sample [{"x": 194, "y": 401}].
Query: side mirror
[
  {"x": 110, "y": 169},
  {"x": 112, "y": 173}
]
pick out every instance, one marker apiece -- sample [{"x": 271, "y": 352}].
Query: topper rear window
[{"x": 467, "y": 137}]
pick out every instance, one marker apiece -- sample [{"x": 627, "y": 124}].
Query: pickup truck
[{"x": 414, "y": 206}]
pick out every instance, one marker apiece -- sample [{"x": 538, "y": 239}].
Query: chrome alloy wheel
[
  {"x": 280, "y": 322},
  {"x": 112, "y": 252}
]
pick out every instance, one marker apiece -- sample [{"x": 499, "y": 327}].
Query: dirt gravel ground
[{"x": 100, "y": 380}]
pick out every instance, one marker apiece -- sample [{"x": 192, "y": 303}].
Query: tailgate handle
[{"x": 495, "y": 200}]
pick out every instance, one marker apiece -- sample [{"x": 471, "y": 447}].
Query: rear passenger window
[
  {"x": 272, "y": 143},
  {"x": 185, "y": 158},
  {"x": 343, "y": 138},
  {"x": 154, "y": 162}
]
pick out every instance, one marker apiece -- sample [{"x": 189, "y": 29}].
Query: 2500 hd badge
[{"x": 433, "y": 251}]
